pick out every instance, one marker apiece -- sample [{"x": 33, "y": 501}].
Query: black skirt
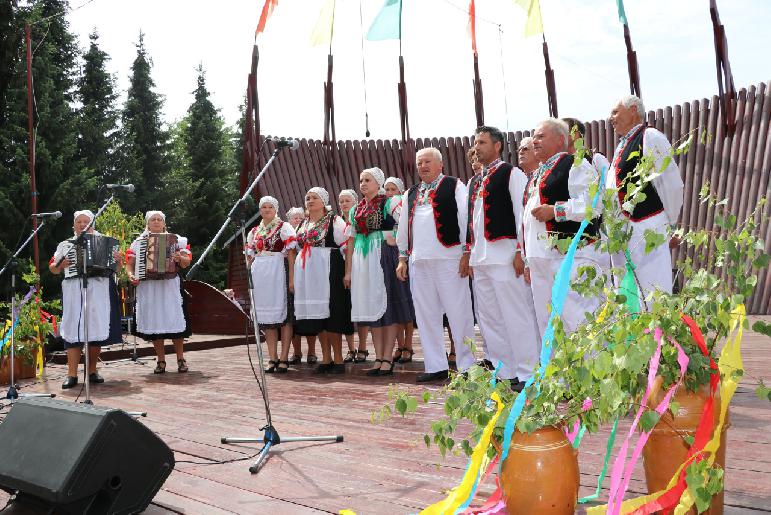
[
  {"x": 339, "y": 320},
  {"x": 115, "y": 333},
  {"x": 168, "y": 336}
]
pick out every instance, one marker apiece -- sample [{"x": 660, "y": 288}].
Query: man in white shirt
[
  {"x": 557, "y": 200},
  {"x": 526, "y": 159},
  {"x": 503, "y": 300},
  {"x": 663, "y": 195},
  {"x": 432, "y": 226}
]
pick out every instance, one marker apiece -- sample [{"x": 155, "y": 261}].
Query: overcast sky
[{"x": 673, "y": 39}]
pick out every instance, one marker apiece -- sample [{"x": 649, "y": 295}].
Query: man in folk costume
[
  {"x": 556, "y": 201},
  {"x": 432, "y": 226},
  {"x": 504, "y": 301},
  {"x": 663, "y": 195},
  {"x": 526, "y": 159}
]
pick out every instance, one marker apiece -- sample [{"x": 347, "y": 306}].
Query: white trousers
[
  {"x": 653, "y": 269},
  {"x": 542, "y": 272},
  {"x": 438, "y": 289},
  {"x": 506, "y": 317}
]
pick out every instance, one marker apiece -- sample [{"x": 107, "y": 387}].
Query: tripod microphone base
[
  {"x": 271, "y": 438},
  {"x": 14, "y": 395}
]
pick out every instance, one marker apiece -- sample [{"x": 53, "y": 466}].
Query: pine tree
[
  {"x": 144, "y": 159},
  {"x": 204, "y": 181},
  {"x": 97, "y": 115},
  {"x": 60, "y": 185}
]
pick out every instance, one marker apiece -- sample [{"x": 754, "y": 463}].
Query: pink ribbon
[{"x": 620, "y": 475}]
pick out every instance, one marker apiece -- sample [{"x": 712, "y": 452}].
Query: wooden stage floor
[{"x": 378, "y": 469}]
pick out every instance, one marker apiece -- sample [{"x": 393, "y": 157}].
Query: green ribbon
[{"x": 603, "y": 473}]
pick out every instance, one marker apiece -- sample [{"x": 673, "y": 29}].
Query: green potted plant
[{"x": 29, "y": 332}]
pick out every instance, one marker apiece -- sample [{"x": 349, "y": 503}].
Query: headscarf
[
  {"x": 323, "y": 195},
  {"x": 151, "y": 214},
  {"x": 350, "y": 193},
  {"x": 87, "y": 212},
  {"x": 269, "y": 200},
  {"x": 396, "y": 182},
  {"x": 295, "y": 211},
  {"x": 376, "y": 174}
]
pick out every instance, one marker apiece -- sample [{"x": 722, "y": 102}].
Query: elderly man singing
[
  {"x": 557, "y": 200},
  {"x": 663, "y": 195},
  {"x": 432, "y": 226}
]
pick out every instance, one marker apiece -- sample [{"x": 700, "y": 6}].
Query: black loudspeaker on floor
[{"x": 69, "y": 458}]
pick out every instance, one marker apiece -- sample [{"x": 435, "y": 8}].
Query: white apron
[
  {"x": 159, "y": 307},
  {"x": 269, "y": 280},
  {"x": 73, "y": 323},
  {"x": 368, "y": 292},
  {"x": 311, "y": 284}
]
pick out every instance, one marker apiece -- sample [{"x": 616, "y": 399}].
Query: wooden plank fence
[{"x": 737, "y": 167}]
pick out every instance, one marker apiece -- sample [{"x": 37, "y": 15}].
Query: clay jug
[
  {"x": 666, "y": 448},
  {"x": 540, "y": 475}
]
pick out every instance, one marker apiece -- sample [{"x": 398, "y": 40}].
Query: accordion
[
  {"x": 155, "y": 259},
  {"x": 99, "y": 256}
]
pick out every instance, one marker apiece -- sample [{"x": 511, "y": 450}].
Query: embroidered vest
[
  {"x": 445, "y": 211},
  {"x": 623, "y": 165},
  {"x": 554, "y": 188}
]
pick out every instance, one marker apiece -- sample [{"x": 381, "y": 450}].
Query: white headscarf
[
  {"x": 350, "y": 193},
  {"x": 376, "y": 174},
  {"x": 396, "y": 182},
  {"x": 295, "y": 211},
  {"x": 151, "y": 214},
  {"x": 322, "y": 193},
  {"x": 269, "y": 200},
  {"x": 87, "y": 212}
]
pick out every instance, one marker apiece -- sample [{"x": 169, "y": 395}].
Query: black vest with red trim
[
  {"x": 497, "y": 204},
  {"x": 553, "y": 188},
  {"x": 625, "y": 165},
  {"x": 445, "y": 211}
]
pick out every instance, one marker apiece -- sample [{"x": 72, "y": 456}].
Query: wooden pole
[{"x": 31, "y": 149}]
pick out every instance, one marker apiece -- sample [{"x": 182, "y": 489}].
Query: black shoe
[
  {"x": 372, "y": 372},
  {"x": 337, "y": 368},
  {"x": 95, "y": 378},
  {"x": 69, "y": 382},
  {"x": 389, "y": 371},
  {"x": 516, "y": 385},
  {"x": 323, "y": 368},
  {"x": 487, "y": 365},
  {"x": 432, "y": 376},
  {"x": 284, "y": 369},
  {"x": 272, "y": 366}
]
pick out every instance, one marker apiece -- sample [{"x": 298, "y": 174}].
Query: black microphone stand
[
  {"x": 270, "y": 435},
  {"x": 12, "y": 265}
]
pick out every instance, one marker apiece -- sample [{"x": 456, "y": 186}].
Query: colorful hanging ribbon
[
  {"x": 16, "y": 317},
  {"x": 462, "y": 493}
]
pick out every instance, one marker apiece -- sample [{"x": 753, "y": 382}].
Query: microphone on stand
[
  {"x": 54, "y": 214},
  {"x": 118, "y": 187}
]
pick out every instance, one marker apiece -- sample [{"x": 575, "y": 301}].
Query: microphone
[
  {"x": 54, "y": 214},
  {"x": 118, "y": 187},
  {"x": 292, "y": 143}
]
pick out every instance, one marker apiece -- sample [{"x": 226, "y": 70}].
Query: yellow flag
[
  {"x": 322, "y": 31},
  {"x": 534, "y": 23}
]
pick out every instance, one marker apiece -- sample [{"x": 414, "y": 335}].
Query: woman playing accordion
[
  {"x": 271, "y": 254},
  {"x": 103, "y": 311},
  {"x": 153, "y": 263}
]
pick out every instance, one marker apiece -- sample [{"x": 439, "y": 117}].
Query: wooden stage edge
[{"x": 377, "y": 469}]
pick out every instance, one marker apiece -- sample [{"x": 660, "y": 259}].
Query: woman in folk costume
[
  {"x": 271, "y": 254},
  {"x": 347, "y": 199},
  {"x": 103, "y": 310},
  {"x": 161, "y": 305},
  {"x": 379, "y": 299},
  {"x": 322, "y": 303},
  {"x": 394, "y": 189},
  {"x": 295, "y": 216}
]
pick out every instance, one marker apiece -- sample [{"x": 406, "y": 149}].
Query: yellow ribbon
[
  {"x": 347, "y": 512},
  {"x": 458, "y": 495},
  {"x": 730, "y": 361}
]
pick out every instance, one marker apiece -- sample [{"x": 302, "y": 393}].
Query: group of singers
[{"x": 442, "y": 253}]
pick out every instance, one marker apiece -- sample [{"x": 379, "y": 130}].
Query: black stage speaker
[{"x": 79, "y": 458}]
